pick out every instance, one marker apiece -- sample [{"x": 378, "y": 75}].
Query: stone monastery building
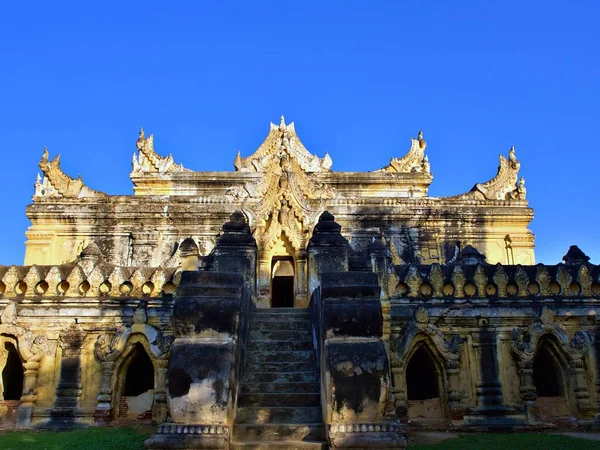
[{"x": 286, "y": 305}]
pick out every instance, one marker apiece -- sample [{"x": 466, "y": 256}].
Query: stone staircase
[{"x": 279, "y": 404}]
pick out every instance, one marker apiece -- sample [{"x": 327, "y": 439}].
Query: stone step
[
  {"x": 279, "y": 431},
  {"x": 307, "y": 366},
  {"x": 278, "y": 445},
  {"x": 300, "y": 325},
  {"x": 281, "y": 377},
  {"x": 281, "y": 356},
  {"x": 281, "y": 311},
  {"x": 281, "y": 335},
  {"x": 302, "y": 314},
  {"x": 295, "y": 399},
  {"x": 280, "y": 414},
  {"x": 263, "y": 388},
  {"x": 274, "y": 345}
]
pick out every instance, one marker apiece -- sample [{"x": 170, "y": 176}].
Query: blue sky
[{"x": 357, "y": 78}]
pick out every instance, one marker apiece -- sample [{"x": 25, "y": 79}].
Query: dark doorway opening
[
  {"x": 545, "y": 375},
  {"x": 12, "y": 375},
  {"x": 282, "y": 283},
  {"x": 421, "y": 377},
  {"x": 283, "y": 292},
  {"x": 139, "y": 377}
]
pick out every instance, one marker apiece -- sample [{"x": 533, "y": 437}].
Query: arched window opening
[
  {"x": 545, "y": 375},
  {"x": 422, "y": 385},
  {"x": 140, "y": 373},
  {"x": 12, "y": 374}
]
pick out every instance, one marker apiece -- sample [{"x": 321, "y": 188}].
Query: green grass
[
  {"x": 525, "y": 441},
  {"x": 133, "y": 439},
  {"x": 88, "y": 439}
]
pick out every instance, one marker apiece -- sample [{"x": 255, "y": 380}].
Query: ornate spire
[
  {"x": 413, "y": 162},
  {"x": 282, "y": 142},
  {"x": 148, "y": 161},
  {"x": 56, "y": 183}
]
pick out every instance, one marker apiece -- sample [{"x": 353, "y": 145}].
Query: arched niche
[
  {"x": 425, "y": 384},
  {"x": 550, "y": 379},
  {"x": 134, "y": 380},
  {"x": 12, "y": 372}
]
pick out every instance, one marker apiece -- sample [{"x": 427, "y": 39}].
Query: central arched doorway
[
  {"x": 550, "y": 385},
  {"x": 282, "y": 282}
]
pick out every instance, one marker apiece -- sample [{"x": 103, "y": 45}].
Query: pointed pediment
[{"x": 282, "y": 142}]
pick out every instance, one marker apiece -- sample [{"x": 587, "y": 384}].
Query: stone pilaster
[{"x": 66, "y": 410}]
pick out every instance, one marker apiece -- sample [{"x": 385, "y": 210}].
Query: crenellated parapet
[
  {"x": 71, "y": 281},
  {"x": 56, "y": 184},
  {"x": 470, "y": 277}
]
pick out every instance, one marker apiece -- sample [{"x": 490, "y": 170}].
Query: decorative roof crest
[
  {"x": 148, "y": 161},
  {"x": 282, "y": 141},
  {"x": 55, "y": 183},
  {"x": 504, "y": 185},
  {"x": 415, "y": 161}
]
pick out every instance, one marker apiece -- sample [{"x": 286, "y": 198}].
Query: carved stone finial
[
  {"x": 575, "y": 256},
  {"x": 282, "y": 122},
  {"x": 327, "y": 231},
  {"x": 470, "y": 256},
  {"x": 237, "y": 162}
]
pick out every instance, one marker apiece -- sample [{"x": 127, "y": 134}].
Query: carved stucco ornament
[
  {"x": 415, "y": 161},
  {"x": 55, "y": 183},
  {"x": 32, "y": 348},
  {"x": 524, "y": 343},
  {"x": 458, "y": 280},
  {"x": 543, "y": 280},
  {"x": 109, "y": 349},
  {"x": 585, "y": 281},
  {"x": 148, "y": 161},
  {"x": 522, "y": 280},
  {"x": 563, "y": 278},
  {"x": 449, "y": 345},
  {"x": 289, "y": 197},
  {"x": 503, "y": 185},
  {"x": 282, "y": 139},
  {"x": 501, "y": 280},
  {"x": 436, "y": 279},
  {"x": 480, "y": 280},
  {"x": 414, "y": 281}
]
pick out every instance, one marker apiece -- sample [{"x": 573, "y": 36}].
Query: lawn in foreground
[
  {"x": 88, "y": 439},
  {"x": 133, "y": 439},
  {"x": 529, "y": 441}
]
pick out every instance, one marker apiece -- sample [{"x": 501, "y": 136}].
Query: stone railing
[
  {"x": 482, "y": 280},
  {"x": 83, "y": 280}
]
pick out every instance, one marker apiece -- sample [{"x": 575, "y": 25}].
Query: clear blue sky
[{"x": 358, "y": 78}]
